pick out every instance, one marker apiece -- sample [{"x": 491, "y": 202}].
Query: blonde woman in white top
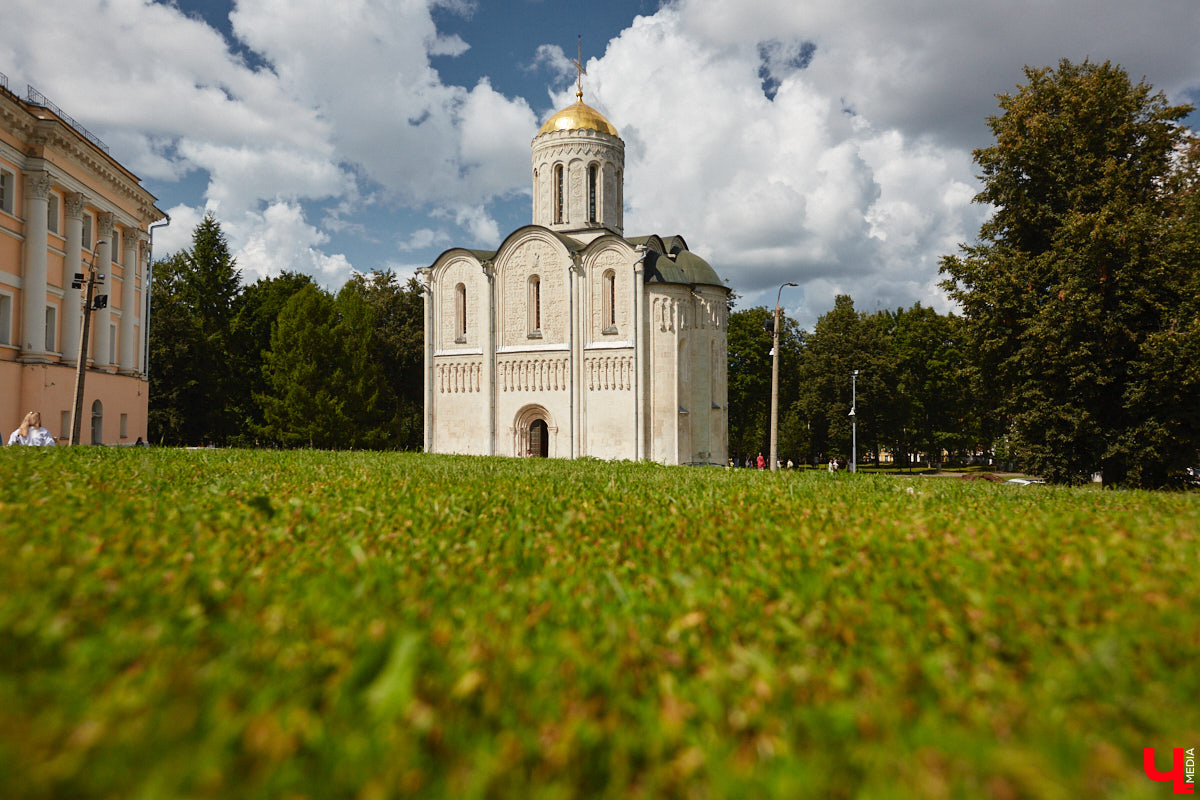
[{"x": 31, "y": 431}]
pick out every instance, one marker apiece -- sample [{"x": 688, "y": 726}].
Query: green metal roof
[{"x": 684, "y": 268}]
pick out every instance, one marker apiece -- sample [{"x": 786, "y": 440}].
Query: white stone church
[{"x": 570, "y": 339}]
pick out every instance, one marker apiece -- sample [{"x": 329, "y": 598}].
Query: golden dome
[{"x": 578, "y": 117}]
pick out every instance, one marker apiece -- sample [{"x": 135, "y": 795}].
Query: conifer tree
[{"x": 191, "y": 371}]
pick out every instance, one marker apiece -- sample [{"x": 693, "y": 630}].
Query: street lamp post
[
  {"x": 88, "y": 284},
  {"x": 775, "y": 381},
  {"x": 853, "y": 421}
]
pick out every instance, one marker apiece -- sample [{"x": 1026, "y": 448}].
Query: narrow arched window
[
  {"x": 97, "y": 423},
  {"x": 593, "y": 174},
  {"x": 608, "y": 305},
  {"x": 535, "y": 307},
  {"x": 558, "y": 193},
  {"x": 460, "y": 313}
]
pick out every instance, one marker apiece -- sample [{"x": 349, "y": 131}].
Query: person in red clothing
[{"x": 762, "y": 462}]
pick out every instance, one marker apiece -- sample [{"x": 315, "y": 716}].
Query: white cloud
[
  {"x": 771, "y": 190},
  {"x": 785, "y": 139},
  {"x": 341, "y": 106},
  {"x": 280, "y": 239},
  {"x": 422, "y": 140},
  {"x": 177, "y": 235},
  {"x": 830, "y": 142},
  {"x": 424, "y": 238}
]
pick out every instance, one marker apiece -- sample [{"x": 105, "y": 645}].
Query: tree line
[
  {"x": 1076, "y": 352},
  {"x": 281, "y": 362},
  {"x": 914, "y": 395}
]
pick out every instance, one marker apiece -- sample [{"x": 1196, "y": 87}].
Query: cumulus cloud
[
  {"x": 280, "y": 238},
  {"x": 830, "y": 143},
  {"x": 340, "y": 111},
  {"x": 827, "y": 143},
  {"x": 773, "y": 180}
]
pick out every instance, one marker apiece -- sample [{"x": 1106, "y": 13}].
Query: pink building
[{"x": 65, "y": 201}]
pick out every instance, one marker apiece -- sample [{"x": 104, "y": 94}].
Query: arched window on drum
[{"x": 593, "y": 174}]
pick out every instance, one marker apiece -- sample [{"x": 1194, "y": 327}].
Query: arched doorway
[
  {"x": 97, "y": 423},
  {"x": 534, "y": 433},
  {"x": 539, "y": 439}
]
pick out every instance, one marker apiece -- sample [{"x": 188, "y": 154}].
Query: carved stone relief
[
  {"x": 37, "y": 185},
  {"x": 458, "y": 378}
]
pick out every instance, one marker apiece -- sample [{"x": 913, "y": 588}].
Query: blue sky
[{"x": 821, "y": 142}]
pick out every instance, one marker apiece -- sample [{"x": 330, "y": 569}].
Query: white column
[
  {"x": 72, "y": 306},
  {"x": 128, "y": 301},
  {"x": 33, "y": 284},
  {"x": 102, "y": 318}
]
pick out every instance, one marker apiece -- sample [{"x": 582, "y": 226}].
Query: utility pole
[
  {"x": 853, "y": 421},
  {"x": 775, "y": 382},
  {"x": 88, "y": 284}
]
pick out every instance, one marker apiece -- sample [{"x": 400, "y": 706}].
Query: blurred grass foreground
[{"x": 250, "y": 624}]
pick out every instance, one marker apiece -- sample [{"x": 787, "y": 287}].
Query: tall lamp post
[
  {"x": 853, "y": 421},
  {"x": 775, "y": 381},
  {"x": 88, "y": 284}
]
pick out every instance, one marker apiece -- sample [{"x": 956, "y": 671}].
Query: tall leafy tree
[
  {"x": 844, "y": 340},
  {"x": 1076, "y": 274},
  {"x": 927, "y": 404},
  {"x": 397, "y": 347},
  {"x": 749, "y": 378},
  {"x": 256, "y": 311},
  {"x": 191, "y": 372}
]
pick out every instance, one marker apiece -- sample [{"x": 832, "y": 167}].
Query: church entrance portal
[
  {"x": 534, "y": 433},
  {"x": 539, "y": 439}
]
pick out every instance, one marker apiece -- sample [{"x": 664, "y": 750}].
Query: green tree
[
  {"x": 191, "y": 372},
  {"x": 844, "y": 340},
  {"x": 256, "y": 310},
  {"x": 398, "y": 347},
  {"x": 1077, "y": 272},
  {"x": 927, "y": 404},
  {"x": 301, "y": 406},
  {"x": 749, "y": 378},
  {"x": 324, "y": 386}
]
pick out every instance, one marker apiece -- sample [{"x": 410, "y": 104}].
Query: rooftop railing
[{"x": 36, "y": 98}]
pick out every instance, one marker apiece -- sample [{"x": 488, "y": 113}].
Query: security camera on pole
[
  {"x": 775, "y": 381},
  {"x": 90, "y": 303}
]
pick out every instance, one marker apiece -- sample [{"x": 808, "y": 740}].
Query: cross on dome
[{"x": 578, "y": 62}]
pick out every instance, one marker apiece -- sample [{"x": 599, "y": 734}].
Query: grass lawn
[{"x": 251, "y": 624}]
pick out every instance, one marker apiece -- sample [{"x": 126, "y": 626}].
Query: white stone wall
[
  {"x": 533, "y": 256},
  {"x": 469, "y": 273},
  {"x": 621, "y": 264},
  {"x": 687, "y": 346},
  {"x": 460, "y": 396},
  {"x": 610, "y": 403}
]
